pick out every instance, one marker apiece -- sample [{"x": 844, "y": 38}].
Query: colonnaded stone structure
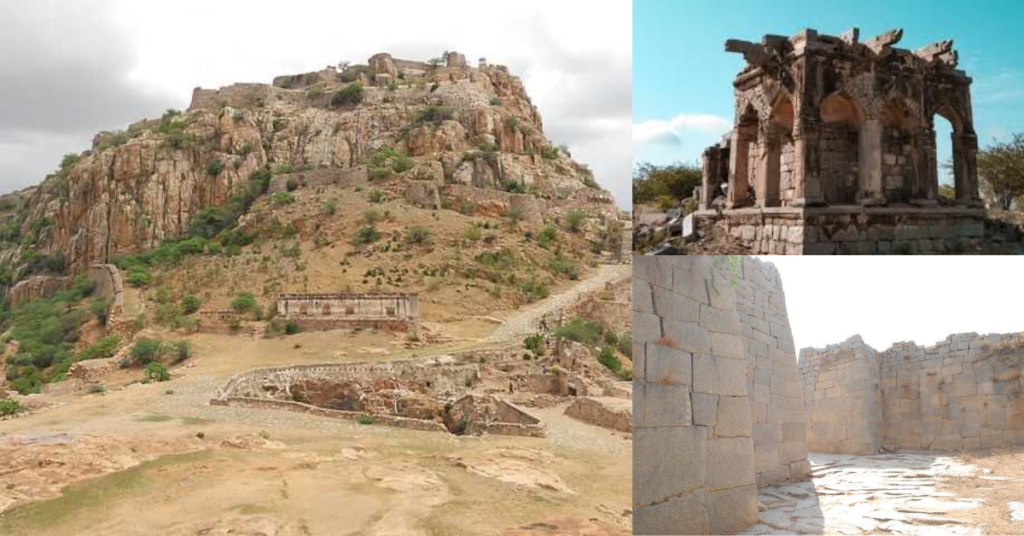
[
  {"x": 716, "y": 395},
  {"x": 364, "y": 309},
  {"x": 962, "y": 393},
  {"x": 833, "y": 148}
]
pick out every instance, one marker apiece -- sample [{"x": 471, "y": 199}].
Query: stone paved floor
[{"x": 882, "y": 494}]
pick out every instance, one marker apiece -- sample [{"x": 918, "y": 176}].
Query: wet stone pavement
[{"x": 882, "y": 494}]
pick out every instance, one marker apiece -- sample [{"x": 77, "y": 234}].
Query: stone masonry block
[
  {"x": 668, "y": 365},
  {"x": 666, "y": 405},
  {"x": 732, "y": 510},
  {"x": 688, "y": 337},
  {"x": 705, "y": 409},
  {"x": 646, "y": 327},
  {"x": 642, "y": 301},
  {"x": 719, "y": 375},
  {"x": 668, "y": 462},
  {"x": 672, "y": 306},
  {"x": 723, "y": 345},
  {"x": 680, "y": 515},
  {"x": 638, "y": 403},
  {"x": 733, "y": 417},
  {"x": 719, "y": 321},
  {"x": 652, "y": 270},
  {"x": 639, "y": 361},
  {"x": 688, "y": 278},
  {"x": 732, "y": 460}
]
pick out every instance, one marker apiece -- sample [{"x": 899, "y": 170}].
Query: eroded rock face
[{"x": 126, "y": 196}]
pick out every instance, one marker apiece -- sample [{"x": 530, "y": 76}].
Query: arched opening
[
  {"x": 743, "y": 165},
  {"x": 841, "y": 120},
  {"x": 949, "y": 154},
  {"x": 779, "y": 187},
  {"x": 899, "y": 167}
]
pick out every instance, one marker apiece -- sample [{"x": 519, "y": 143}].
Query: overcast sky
[
  {"x": 71, "y": 69},
  {"x": 899, "y": 298}
]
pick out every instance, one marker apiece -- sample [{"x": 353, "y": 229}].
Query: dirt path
[{"x": 524, "y": 321}]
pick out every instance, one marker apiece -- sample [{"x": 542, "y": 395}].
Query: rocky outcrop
[{"x": 459, "y": 124}]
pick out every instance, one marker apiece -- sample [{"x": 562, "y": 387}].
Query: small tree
[
  {"x": 190, "y": 304},
  {"x": 100, "y": 308},
  {"x": 146, "y": 351},
  {"x": 214, "y": 168},
  {"x": 1001, "y": 170},
  {"x": 351, "y": 94},
  {"x": 181, "y": 350},
  {"x": 244, "y": 303},
  {"x": 155, "y": 372}
]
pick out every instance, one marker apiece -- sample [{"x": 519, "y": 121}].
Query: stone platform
[{"x": 852, "y": 230}]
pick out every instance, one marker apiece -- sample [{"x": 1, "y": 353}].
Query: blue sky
[{"x": 682, "y": 76}]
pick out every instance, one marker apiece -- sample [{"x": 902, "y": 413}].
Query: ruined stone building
[
  {"x": 717, "y": 401},
  {"x": 833, "y": 148},
  {"x": 962, "y": 393},
  {"x": 379, "y": 310}
]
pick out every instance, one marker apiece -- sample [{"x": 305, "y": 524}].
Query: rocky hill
[{"x": 438, "y": 135}]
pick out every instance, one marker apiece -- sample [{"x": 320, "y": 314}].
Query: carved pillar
[
  {"x": 926, "y": 167},
  {"x": 770, "y": 163},
  {"x": 738, "y": 169},
  {"x": 869, "y": 162},
  {"x": 806, "y": 178}
]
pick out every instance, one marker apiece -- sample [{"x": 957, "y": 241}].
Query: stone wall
[
  {"x": 773, "y": 383},
  {"x": 850, "y": 230},
  {"x": 842, "y": 397},
  {"x": 693, "y": 454},
  {"x": 964, "y": 392},
  {"x": 334, "y": 310}
]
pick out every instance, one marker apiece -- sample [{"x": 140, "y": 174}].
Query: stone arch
[
  {"x": 965, "y": 146},
  {"x": 839, "y": 164},
  {"x": 777, "y": 152},
  {"x": 742, "y": 170}
]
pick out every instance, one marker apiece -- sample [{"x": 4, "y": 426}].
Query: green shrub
[
  {"x": 156, "y": 372},
  {"x": 626, "y": 344},
  {"x": 366, "y": 419},
  {"x": 330, "y": 207},
  {"x": 291, "y": 327},
  {"x": 214, "y": 168},
  {"x": 371, "y": 217},
  {"x": 244, "y": 303},
  {"x": 417, "y": 235},
  {"x": 291, "y": 184},
  {"x": 549, "y": 152},
  {"x": 401, "y": 163},
  {"x": 472, "y": 233},
  {"x": 181, "y": 350},
  {"x": 433, "y": 114},
  {"x": 514, "y": 215},
  {"x": 375, "y": 196},
  {"x": 575, "y": 219},
  {"x": 535, "y": 344},
  {"x": 581, "y": 330},
  {"x": 534, "y": 290},
  {"x": 547, "y": 236},
  {"x": 365, "y": 235},
  {"x": 190, "y": 304},
  {"x": 100, "y": 308},
  {"x": 138, "y": 277},
  {"x": 146, "y": 351},
  {"x": 9, "y": 407},
  {"x": 349, "y": 95},
  {"x": 280, "y": 199},
  {"x": 103, "y": 348},
  {"x": 97, "y": 388},
  {"x": 608, "y": 359},
  {"x": 564, "y": 266}
]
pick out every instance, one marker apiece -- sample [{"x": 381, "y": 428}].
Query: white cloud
[{"x": 671, "y": 131}]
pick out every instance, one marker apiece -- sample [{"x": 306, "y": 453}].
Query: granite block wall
[
  {"x": 697, "y": 414},
  {"x": 964, "y": 392}
]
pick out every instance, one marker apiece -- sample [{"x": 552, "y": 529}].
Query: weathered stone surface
[
  {"x": 731, "y": 510},
  {"x": 672, "y": 306},
  {"x": 718, "y": 375},
  {"x": 646, "y": 327},
  {"x": 732, "y": 460},
  {"x": 668, "y": 365},
  {"x": 705, "y": 409},
  {"x": 666, "y": 405},
  {"x": 733, "y": 418},
  {"x": 687, "y": 336},
  {"x": 680, "y": 515},
  {"x": 642, "y": 300},
  {"x": 667, "y": 462}
]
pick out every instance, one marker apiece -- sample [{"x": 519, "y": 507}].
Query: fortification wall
[
  {"x": 773, "y": 383},
  {"x": 693, "y": 455},
  {"x": 962, "y": 393},
  {"x": 842, "y": 397}
]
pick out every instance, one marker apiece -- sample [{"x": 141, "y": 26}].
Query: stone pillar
[
  {"x": 970, "y": 151},
  {"x": 770, "y": 162},
  {"x": 927, "y": 167},
  {"x": 869, "y": 161},
  {"x": 738, "y": 170},
  {"x": 805, "y": 163},
  {"x": 709, "y": 168},
  {"x": 960, "y": 179}
]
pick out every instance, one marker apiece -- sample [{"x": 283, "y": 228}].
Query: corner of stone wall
[{"x": 693, "y": 451}]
